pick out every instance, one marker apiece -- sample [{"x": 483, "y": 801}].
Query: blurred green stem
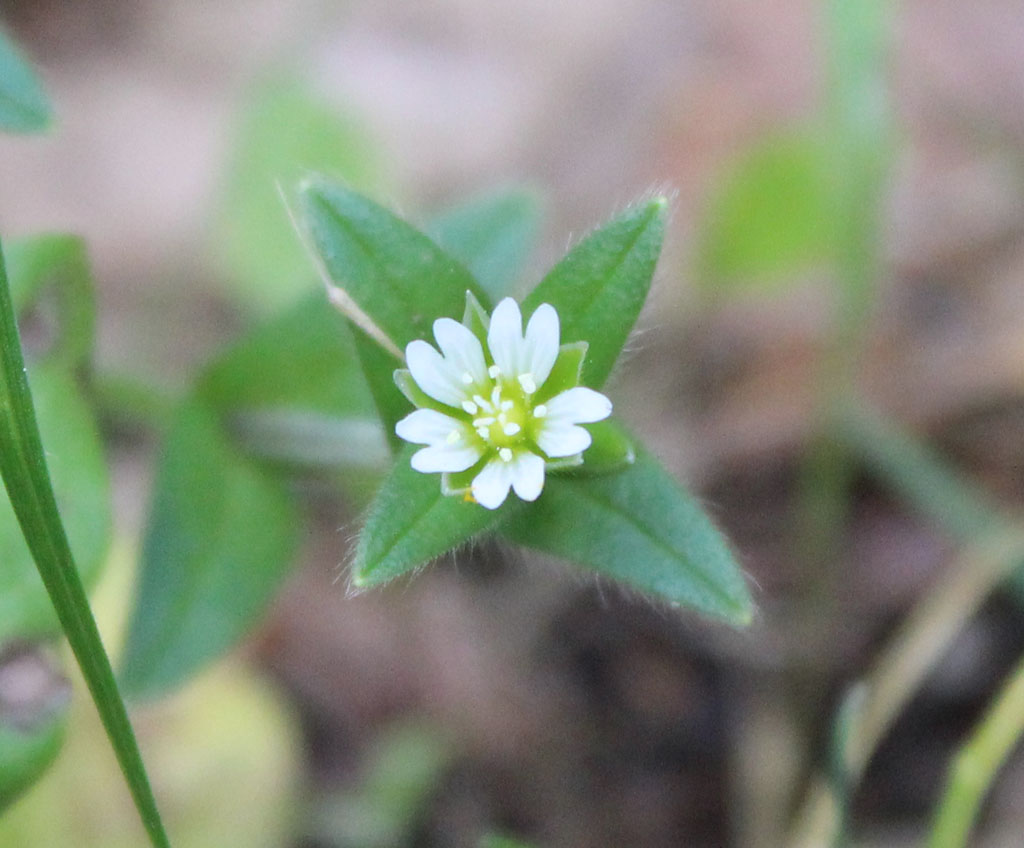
[
  {"x": 898, "y": 672},
  {"x": 977, "y": 763},
  {"x": 858, "y": 139}
]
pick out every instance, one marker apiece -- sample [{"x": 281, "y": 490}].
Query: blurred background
[{"x": 498, "y": 692}]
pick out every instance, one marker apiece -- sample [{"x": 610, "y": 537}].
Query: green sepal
[
  {"x": 565, "y": 373},
  {"x": 610, "y": 451},
  {"x": 456, "y": 483},
  {"x": 416, "y": 396}
]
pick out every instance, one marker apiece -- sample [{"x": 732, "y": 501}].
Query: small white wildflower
[{"x": 489, "y": 412}]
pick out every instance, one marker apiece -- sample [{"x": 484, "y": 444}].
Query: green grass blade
[
  {"x": 23, "y": 467},
  {"x": 977, "y": 764}
]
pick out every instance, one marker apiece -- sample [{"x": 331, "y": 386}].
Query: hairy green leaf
[
  {"x": 411, "y": 522},
  {"x": 601, "y": 284},
  {"x": 492, "y": 235},
  {"x": 220, "y": 538},
  {"x": 639, "y": 527},
  {"x": 24, "y": 106},
  {"x": 396, "y": 277}
]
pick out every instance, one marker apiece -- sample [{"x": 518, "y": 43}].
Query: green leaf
[
  {"x": 219, "y": 540},
  {"x": 411, "y": 522},
  {"x": 492, "y": 235},
  {"x": 638, "y": 527},
  {"x": 284, "y": 131},
  {"x": 80, "y": 481},
  {"x": 23, "y": 467},
  {"x": 396, "y": 277},
  {"x": 770, "y": 217},
  {"x": 32, "y": 722},
  {"x": 50, "y": 275},
  {"x": 24, "y": 106},
  {"x": 601, "y": 284}
]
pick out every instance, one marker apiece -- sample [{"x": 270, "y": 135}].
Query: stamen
[
  {"x": 453, "y": 437},
  {"x": 483, "y": 404},
  {"x": 506, "y": 454},
  {"x": 528, "y": 383},
  {"x": 470, "y": 407},
  {"x": 496, "y": 396},
  {"x": 467, "y": 378},
  {"x": 502, "y": 418},
  {"x": 494, "y": 372},
  {"x": 483, "y": 432},
  {"x": 506, "y": 405},
  {"x": 511, "y": 429},
  {"x": 486, "y": 421},
  {"x": 539, "y": 411}
]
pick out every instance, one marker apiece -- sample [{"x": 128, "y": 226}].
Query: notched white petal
[
  {"x": 527, "y": 475},
  {"x": 505, "y": 336},
  {"x": 579, "y": 405},
  {"x": 461, "y": 349},
  {"x": 427, "y": 427},
  {"x": 443, "y": 457},
  {"x": 434, "y": 374},
  {"x": 490, "y": 487},
  {"x": 541, "y": 343},
  {"x": 558, "y": 439}
]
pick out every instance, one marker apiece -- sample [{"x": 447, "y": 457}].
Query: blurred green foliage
[{"x": 24, "y": 106}]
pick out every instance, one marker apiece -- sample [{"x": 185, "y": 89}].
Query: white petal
[
  {"x": 541, "y": 344},
  {"x": 560, "y": 438},
  {"x": 433, "y": 374},
  {"x": 527, "y": 475},
  {"x": 442, "y": 457},
  {"x": 505, "y": 337},
  {"x": 461, "y": 349},
  {"x": 428, "y": 427},
  {"x": 491, "y": 485},
  {"x": 579, "y": 405}
]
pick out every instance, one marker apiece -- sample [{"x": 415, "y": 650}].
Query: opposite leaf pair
[{"x": 497, "y": 409}]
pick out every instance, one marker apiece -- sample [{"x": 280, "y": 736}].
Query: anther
[
  {"x": 470, "y": 407},
  {"x": 540, "y": 411},
  {"x": 506, "y": 454},
  {"x": 483, "y": 432},
  {"x": 467, "y": 378},
  {"x": 511, "y": 428},
  {"x": 483, "y": 404},
  {"x": 494, "y": 372}
]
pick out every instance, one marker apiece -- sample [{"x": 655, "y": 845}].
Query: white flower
[{"x": 494, "y": 416}]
